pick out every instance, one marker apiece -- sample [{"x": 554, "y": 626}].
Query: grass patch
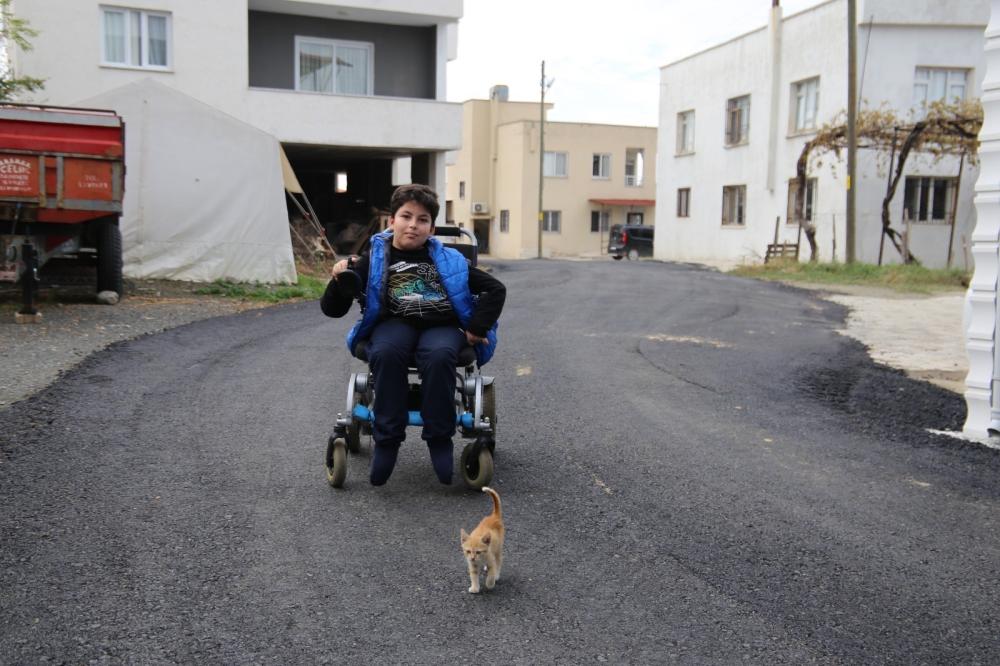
[
  {"x": 896, "y": 276},
  {"x": 308, "y": 287}
]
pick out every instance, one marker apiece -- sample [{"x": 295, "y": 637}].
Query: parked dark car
[{"x": 630, "y": 240}]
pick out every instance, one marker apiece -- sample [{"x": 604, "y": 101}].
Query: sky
[{"x": 603, "y": 58}]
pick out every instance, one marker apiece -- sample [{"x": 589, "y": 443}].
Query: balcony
[{"x": 347, "y": 120}]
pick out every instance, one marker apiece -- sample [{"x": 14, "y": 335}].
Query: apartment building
[
  {"x": 353, "y": 90},
  {"x": 735, "y": 118},
  {"x": 595, "y": 176}
]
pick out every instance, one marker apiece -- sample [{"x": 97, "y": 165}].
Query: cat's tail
[{"x": 496, "y": 500}]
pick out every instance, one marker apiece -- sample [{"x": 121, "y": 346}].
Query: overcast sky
[{"x": 605, "y": 57}]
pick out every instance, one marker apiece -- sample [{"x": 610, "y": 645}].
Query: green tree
[{"x": 15, "y": 32}]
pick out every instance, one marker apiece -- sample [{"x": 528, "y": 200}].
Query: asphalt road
[{"x": 695, "y": 468}]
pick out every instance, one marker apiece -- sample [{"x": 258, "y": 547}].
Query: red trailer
[{"x": 62, "y": 178}]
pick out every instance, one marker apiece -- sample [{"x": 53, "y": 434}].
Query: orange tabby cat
[{"x": 484, "y": 547}]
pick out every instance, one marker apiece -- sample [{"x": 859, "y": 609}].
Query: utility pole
[
  {"x": 541, "y": 161},
  {"x": 852, "y": 130}
]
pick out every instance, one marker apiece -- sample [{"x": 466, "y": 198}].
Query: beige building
[{"x": 595, "y": 176}]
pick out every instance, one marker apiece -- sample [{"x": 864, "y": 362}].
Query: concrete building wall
[
  {"x": 887, "y": 62},
  {"x": 211, "y": 62},
  {"x": 499, "y": 164}
]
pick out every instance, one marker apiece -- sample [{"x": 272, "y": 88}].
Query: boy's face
[{"x": 411, "y": 225}]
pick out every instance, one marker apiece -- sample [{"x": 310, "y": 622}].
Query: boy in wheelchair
[{"x": 421, "y": 304}]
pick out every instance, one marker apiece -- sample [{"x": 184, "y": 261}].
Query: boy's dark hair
[{"x": 420, "y": 194}]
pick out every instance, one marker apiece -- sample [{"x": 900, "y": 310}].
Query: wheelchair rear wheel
[
  {"x": 336, "y": 461},
  {"x": 476, "y": 464}
]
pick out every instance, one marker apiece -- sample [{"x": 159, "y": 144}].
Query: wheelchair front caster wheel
[
  {"x": 336, "y": 461},
  {"x": 476, "y": 465}
]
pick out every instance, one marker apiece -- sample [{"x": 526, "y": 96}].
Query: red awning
[{"x": 625, "y": 202}]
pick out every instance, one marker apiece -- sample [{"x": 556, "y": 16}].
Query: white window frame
[
  {"x": 685, "y": 132},
  {"x": 810, "y": 201},
  {"x": 924, "y": 189},
  {"x": 552, "y": 221},
  {"x": 804, "y": 105},
  {"x": 504, "y": 221},
  {"x": 734, "y": 205},
  {"x": 683, "y": 202},
  {"x": 143, "y": 38},
  {"x": 922, "y": 77},
  {"x": 738, "y": 121},
  {"x": 603, "y": 163},
  {"x": 635, "y": 170},
  {"x": 369, "y": 75},
  {"x": 551, "y": 163}
]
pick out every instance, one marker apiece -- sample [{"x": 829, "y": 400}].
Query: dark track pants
[{"x": 393, "y": 343}]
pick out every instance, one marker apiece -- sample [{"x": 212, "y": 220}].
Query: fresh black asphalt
[{"x": 695, "y": 468}]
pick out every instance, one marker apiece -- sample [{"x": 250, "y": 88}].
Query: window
[
  {"x": 335, "y": 67},
  {"x": 461, "y": 189},
  {"x": 928, "y": 199},
  {"x": 135, "y": 38},
  {"x": 738, "y": 120},
  {"x": 634, "y": 167},
  {"x": 683, "y": 202},
  {"x": 810, "y": 200},
  {"x": 599, "y": 221},
  {"x": 685, "y": 133},
  {"x": 504, "y": 221},
  {"x": 634, "y": 218},
  {"x": 554, "y": 165},
  {"x": 734, "y": 201},
  {"x": 551, "y": 221},
  {"x": 805, "y": 100},
  {"x": 602, "y": 165},
  {"x": 931, "y": 84}
]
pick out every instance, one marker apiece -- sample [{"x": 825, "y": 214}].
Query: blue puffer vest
[{"x": 454, "y": 271}]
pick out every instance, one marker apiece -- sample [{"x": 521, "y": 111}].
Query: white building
[
  {"x": 734, "y": 120},
  {"x": 354, "y": 90}
]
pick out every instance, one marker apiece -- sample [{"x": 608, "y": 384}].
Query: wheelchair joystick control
[{"x": 349, "y": 281}]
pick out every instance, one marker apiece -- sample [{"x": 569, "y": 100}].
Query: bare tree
[{"x": 945, "y": 129}]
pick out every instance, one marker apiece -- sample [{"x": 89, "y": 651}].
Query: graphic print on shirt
[{"x": 415, "y": 290}]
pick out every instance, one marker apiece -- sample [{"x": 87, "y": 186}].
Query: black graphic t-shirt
[{"x": 414, "y": 291}]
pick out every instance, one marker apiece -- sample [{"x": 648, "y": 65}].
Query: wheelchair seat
[{"x": 466, "y": 356}]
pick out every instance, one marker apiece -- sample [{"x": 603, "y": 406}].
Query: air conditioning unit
[{"x": 480, "y": 208}]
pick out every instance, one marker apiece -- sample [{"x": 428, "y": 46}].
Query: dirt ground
[{"x": 920, "y": 334}]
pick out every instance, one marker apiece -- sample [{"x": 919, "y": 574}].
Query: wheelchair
[{"x": 475, "y": 405}]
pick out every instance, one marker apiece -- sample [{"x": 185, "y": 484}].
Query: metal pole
[
  {"x": 852, "y": 134},
  {"x": 541, "y": 161}
]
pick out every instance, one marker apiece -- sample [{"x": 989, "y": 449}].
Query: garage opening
[{"x": 350, "y": 188}]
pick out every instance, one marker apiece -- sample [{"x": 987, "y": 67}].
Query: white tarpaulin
[{"x": 204, "y": 196}]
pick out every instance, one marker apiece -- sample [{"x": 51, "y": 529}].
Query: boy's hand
[
  {"x": 473, "y": 339},
  {"x": 341, "y": 266}
]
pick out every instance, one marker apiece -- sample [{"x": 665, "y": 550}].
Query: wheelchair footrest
[{"x": 362, "y": 413}]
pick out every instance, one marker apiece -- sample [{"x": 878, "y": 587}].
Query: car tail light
[{"x": 624, "y": 237}]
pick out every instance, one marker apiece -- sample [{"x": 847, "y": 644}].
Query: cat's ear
[
  {"x": 486, "y": 539},
  {"x": 465, "y": 535}
]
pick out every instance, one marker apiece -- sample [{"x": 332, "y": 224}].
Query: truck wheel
[
  {"x": 109, "y": 258},
  {"x": 633, "y": 255}
]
